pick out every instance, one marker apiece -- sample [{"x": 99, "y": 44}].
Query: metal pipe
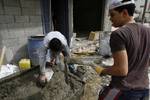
[{"x": 144, "y": 10}]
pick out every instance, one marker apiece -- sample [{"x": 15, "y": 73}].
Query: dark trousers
[
  {"x": 109, "y": 93},
  {"x": 134, "y": 95}
]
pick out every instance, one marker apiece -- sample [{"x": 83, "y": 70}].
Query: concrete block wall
[
  {"x": 107, "y": 22},
  {"x": 139, "y": 9},
  {"x": 19, "y": 19}
]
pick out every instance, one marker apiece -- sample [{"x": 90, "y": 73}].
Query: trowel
[{"x": 48, "y": 73}]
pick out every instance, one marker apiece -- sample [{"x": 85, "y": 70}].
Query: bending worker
[
  {"x": 53, "y": 45},
  {"x": 130, "y": 47}
]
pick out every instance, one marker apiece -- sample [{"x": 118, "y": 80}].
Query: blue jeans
[{"x": 135, "y": 95}]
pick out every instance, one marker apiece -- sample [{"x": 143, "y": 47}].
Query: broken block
[{"x": 94, "y": 36}]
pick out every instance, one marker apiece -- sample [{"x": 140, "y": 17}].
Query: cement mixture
[{"x": 83, "y": 85}]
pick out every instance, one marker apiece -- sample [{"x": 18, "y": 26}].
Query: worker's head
[
  {"x": 55, "y": 45},
  {"x": 121, "y": 12}
]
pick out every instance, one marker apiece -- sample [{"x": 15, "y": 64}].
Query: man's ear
[{"x": 125, "y": 12}]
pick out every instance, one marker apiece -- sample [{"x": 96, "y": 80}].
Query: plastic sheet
[{"x": 7, "y": 70}]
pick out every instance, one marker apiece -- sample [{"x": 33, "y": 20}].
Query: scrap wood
[
  {"x": 75, "y": 77},
  {"x": 85, "y": 53},
  {"x": 2, "y": 56},
  {"x": 66, "y": 71}
]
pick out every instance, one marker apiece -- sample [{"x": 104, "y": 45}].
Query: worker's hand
[
  {"x": 99, "y": 69},
  {"x": 42, "y": 79},
  {"x": 52, "y": 62}
]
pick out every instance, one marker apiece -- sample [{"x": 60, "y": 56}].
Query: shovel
[{"x": 66, "y": 71}]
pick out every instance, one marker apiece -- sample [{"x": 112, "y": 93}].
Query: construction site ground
[{"x": 85, "y": 84}]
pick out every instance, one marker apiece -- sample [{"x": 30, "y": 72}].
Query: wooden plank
[{"x": 2, "y": 56}]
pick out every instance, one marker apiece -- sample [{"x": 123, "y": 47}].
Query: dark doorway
[
  {"x": 88, "y": 15},
  {"x": 58, "y": 15},
  {"x": 61, "y": 17}
]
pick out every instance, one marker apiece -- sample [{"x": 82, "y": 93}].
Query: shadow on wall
[
  {"x": 21, "y": 53},
  {"x": 15, "y": 37}
]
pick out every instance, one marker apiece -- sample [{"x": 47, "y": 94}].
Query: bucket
[
  {"x": 34, "y": 43},
  {"x": 24, "y": 64}
]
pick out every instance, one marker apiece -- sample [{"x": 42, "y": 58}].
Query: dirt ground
[{"x": 24, "y": 88}]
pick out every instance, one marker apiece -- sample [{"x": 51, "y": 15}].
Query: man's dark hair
[
  {"x": 130, "y": 8},
  {"x": 55, "y": 45}
]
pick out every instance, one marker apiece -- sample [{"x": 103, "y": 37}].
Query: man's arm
[
  {"x": 120, "y": 67},
  {"x": 66, "y": 51},
  {"x": 42, "y": 58}
]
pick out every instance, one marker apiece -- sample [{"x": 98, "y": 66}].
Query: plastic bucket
[{"x": 34, "y": 43}]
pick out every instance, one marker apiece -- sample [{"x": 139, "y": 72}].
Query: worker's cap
[{"x": 118, "y": 3}]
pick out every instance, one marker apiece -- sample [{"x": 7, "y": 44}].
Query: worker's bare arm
[
  {"x": 66, "y": 51},
  {"x": 120, "y": 67},
  {"x": 42, "y": 58}
]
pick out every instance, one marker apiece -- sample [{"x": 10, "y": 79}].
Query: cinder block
[
  {"x": 1, "y": 7},
  {"x": 35, "y": 19},
  {"x": 34, "y": 29},
  {"x": 23, "y": 41},
  {"x": 30, "y": 3},
  {"x": 31, "y": 11},
  {"x": 16, "y": 30},
  {"x": 4, "y": 31},
  {"x": 4, "y": 35},
  {"x": 1, "y": 12},
  {"x": 11, "y": 42},
  {"x": 0, "y": 1},
  {"x": 148, "y": 20},
  {"x": 21, "y": 19},
  {"x": 11, "y": 3},
  {"x": 12, "y": 10},
  {"x": 94, "y": 36},
  {"x": 3, "y": 26},
  {"x": 4, "y": 19}
]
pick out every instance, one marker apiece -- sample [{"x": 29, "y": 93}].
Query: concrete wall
[
  {"x": 107, "y": 22},
  {"x": 18, "y": 20},
  {"x": 139, "y": 10}
]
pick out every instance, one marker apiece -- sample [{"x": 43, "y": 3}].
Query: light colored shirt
[
  {"x": 54, "y": 34},
  {"x": 44, "y": 48}
]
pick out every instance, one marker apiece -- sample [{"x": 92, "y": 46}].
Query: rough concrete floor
[{"x": 24, "y": 87}]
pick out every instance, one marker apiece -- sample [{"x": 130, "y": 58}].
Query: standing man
[
  {"x": 130, "y": 46},
  {"x": 53, "y": 45}
]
